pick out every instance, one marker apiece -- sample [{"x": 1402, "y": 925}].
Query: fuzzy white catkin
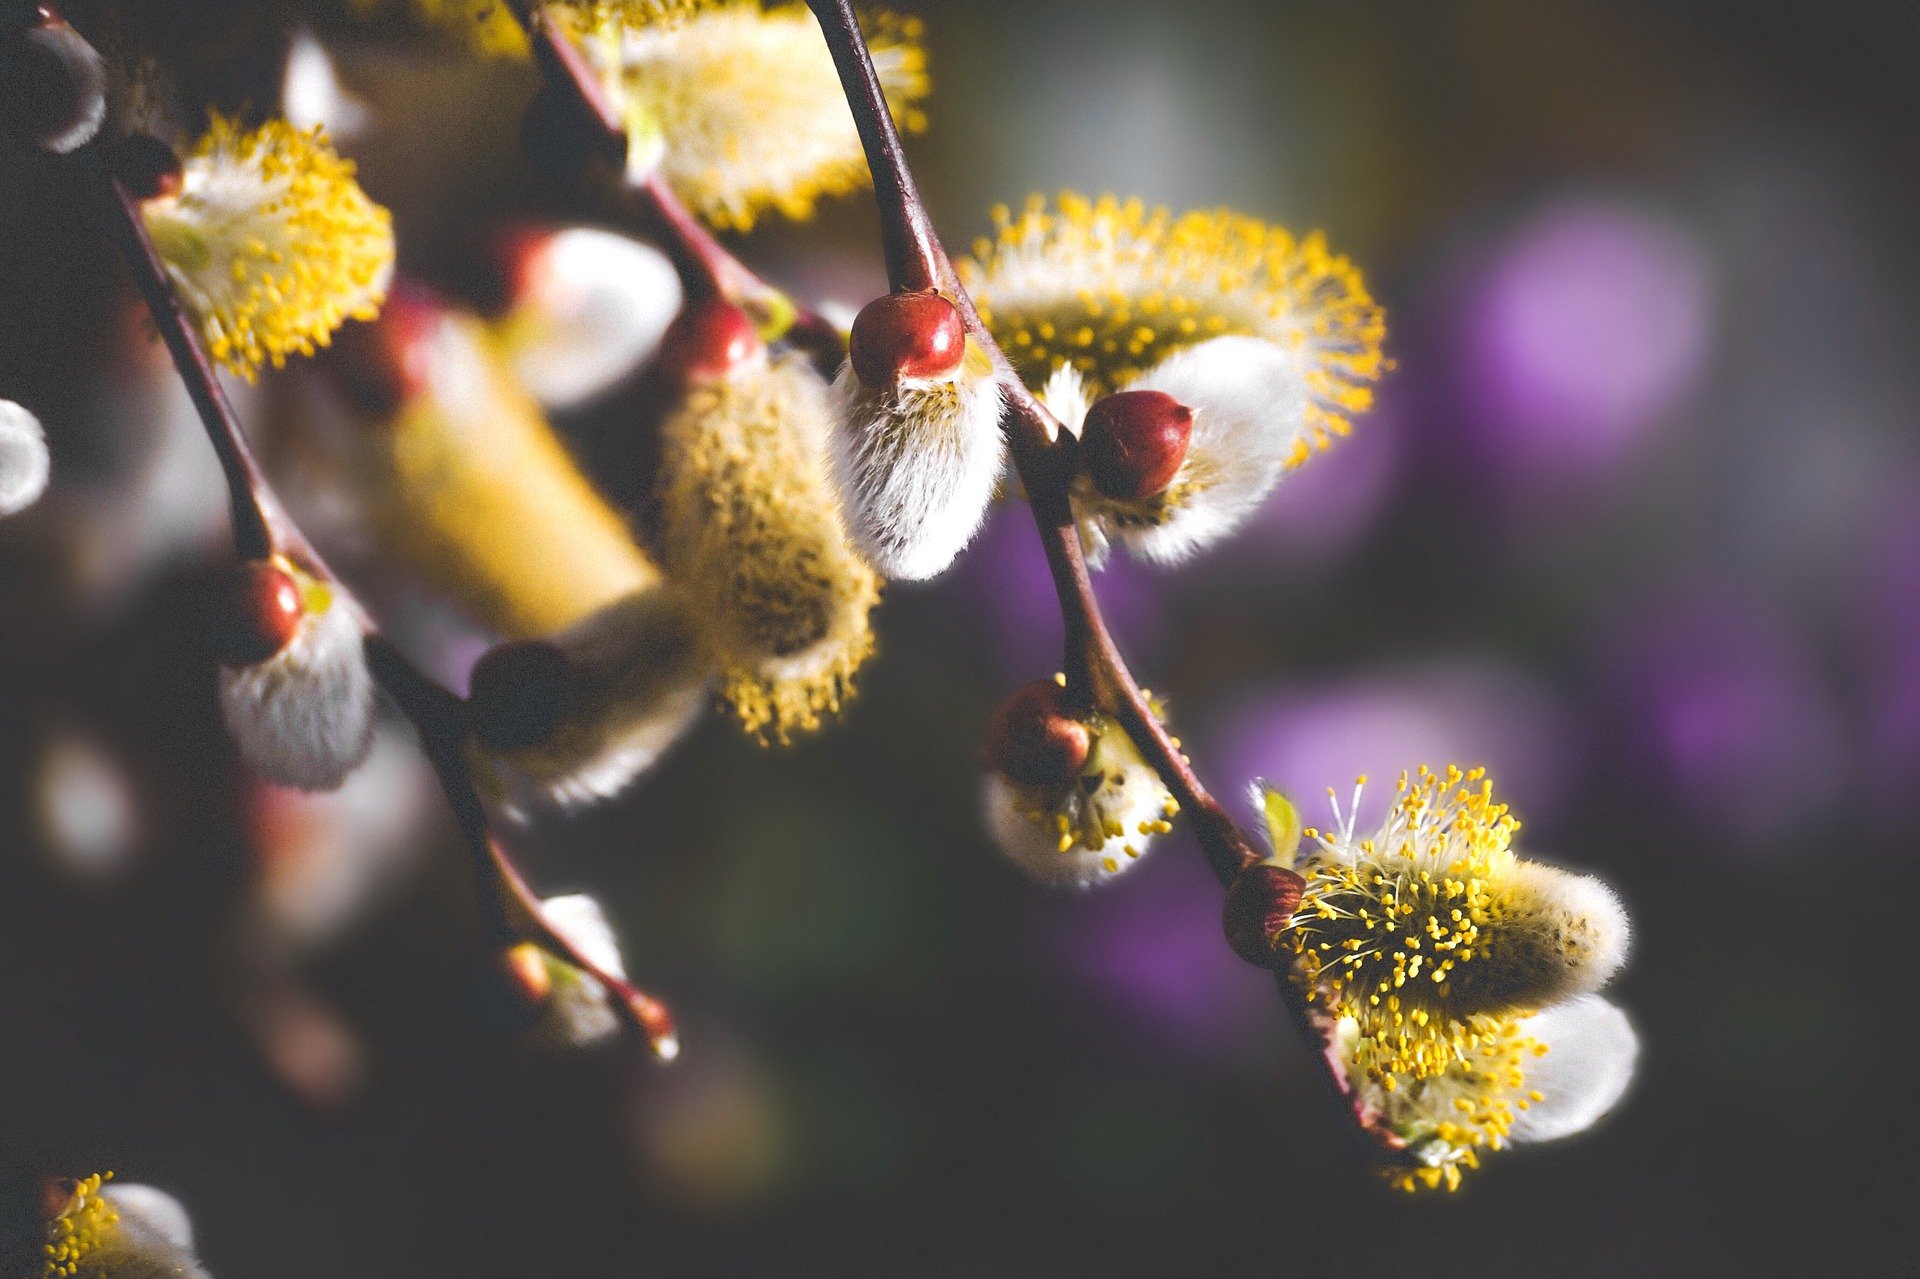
[
  {"x": 644, "y": 682},
  {"x": 1114, "y": 790},
  {"x": 24, "y": 462},
  {"x": 152, "y": 1237},
  {"x": 1576, "y": 924},
  {"x": 304, "y": 717},
  {"x": 311, "y": 94},
  {"x": 916, "y": 465},
  {"x": 1250, "y": 406},
  {"x": 596, "y": 311},
  {"x": 1591, "y": 1051}
]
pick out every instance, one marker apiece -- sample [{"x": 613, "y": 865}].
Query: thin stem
[
  {"x": 916, "y": 262},
  {"x": 706, "y": 268},
  {"x": 261, "y": 527},
  {"x": 509, "y": 906},
  {"x": 1096, "y": 673},
  {"x": 257, "y": 521}
]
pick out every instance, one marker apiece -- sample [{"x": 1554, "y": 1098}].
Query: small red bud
[
  {"x": 1032, "y": 738},
  {"x": 148, "y": 167},
  {"x": 56, "y": 1195},
  {"x": 1260, "y": 901},
  {"x": 916, "y": 335},
  {"x": 525, "y": 972},
  {"x": 1133, "y": 443},
  {"x": 707, "y": 341},
  {"x": 256, "y": 611},
  {"x": 519, "y": 694},
  {"x": 384, "y": 363},
  {"x": 510, "y": 267}
]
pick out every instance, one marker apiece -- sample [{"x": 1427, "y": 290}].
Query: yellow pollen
[
  {"x": 1104, "y": 272},
  {"x": 271, "y": 242},
  {"x": 81, "y": 1230}
]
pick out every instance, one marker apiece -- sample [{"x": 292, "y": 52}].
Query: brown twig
[
  {"x": 261, "y": 526},
  {"x": 706, "y": 268},
  {"x": 1042, "y": 452},
  {"x": 513, "y": 911},
  {"x": 1044, "y": 457}
]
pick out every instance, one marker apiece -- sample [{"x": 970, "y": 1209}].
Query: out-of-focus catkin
[
  {"x": 467, "y": 484},
  {"x": 753, "y": 532}
]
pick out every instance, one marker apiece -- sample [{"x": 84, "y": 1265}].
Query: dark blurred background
[{"x": 1636, "y": 523}]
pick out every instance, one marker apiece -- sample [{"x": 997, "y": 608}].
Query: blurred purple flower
[
  {"x": 1149, "y": 946},
  {"x": 1002, "y": 584},
  {"x": 1308, "y": 737},
  {"x": 1577, "y": 337},
  {"x": 1892, "y": 667},
  {"x": 1725, "y": 715}
]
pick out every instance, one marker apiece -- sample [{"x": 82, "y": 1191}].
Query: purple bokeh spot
[
  {"x": 1892, "y": 665},
  {"x": 1149, "y": 948},
  {"x": 1577, "y": 338},
  {"x": 1307, "y": 738},
  {"x": 1724, "y": 713}
]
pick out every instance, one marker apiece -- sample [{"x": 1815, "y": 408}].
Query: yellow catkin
[
  {"x": 1387, "y": 927},
  {"x": 1421, "y": 918},
  {"x": 740, "y": 106},
  {"x": 1111, "y": 287},
  {"x": 489, "y": 28},
  {"x": 753, "y": 534},
  {"x": 271, "y": 242},
  {"x": 472, "y": 489},
  {"x": 77, "y": 1235}
]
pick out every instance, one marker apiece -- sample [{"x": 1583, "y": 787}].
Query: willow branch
[
  {"x": 1044, "y": 457},
  {"x": 1042, "y": 453},
  {"x": 916, "y": 261},
  {"x": 512, "y": 910},
  {"x": 706, "y": 267},
  {"x": 261, "y": 527}
]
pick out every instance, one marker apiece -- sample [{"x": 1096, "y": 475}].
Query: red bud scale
[
  {"x": 256, "y": 610},
  {"x": 907, "y": 335},
  {"x": 1033, "y": 739},
  {"x": 1133, "y": 443}
]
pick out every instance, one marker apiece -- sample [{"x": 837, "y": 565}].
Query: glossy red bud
[
  {"x": 146, "y": 166},
  {"x": 1133, "y": 443},
  {"x": 56, "y": 1195},
  {"x": 1032, "y": 739},
  {"x": 914, "y": 335},
  {"x": 707, "y": 341},
  {"x": 1260, "y": 901},
  {"x": 386, "y": 362},
  {"x": 255, "y": 611},
  {"x": 519, "y": 694}
]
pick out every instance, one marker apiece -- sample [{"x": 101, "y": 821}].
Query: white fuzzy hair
[
  {"x": 304, "y": 717},
  {"x": 916, "y": 464},
  {"x": 1023, "y": 819},
  {"x": 644, "y": 682},
  {"x": 1250, "y": 406}
]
